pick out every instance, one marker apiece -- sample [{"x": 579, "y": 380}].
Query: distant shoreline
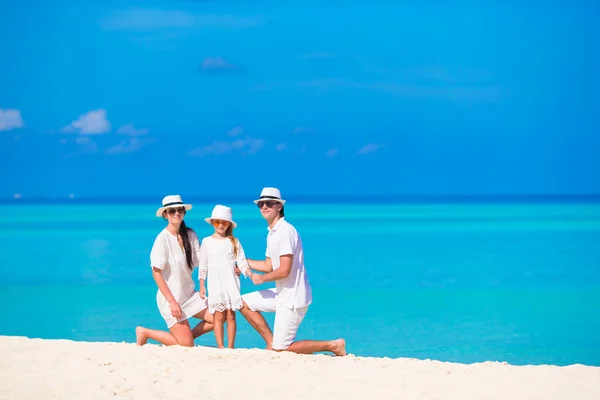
[{"x": 318, "y": 199}]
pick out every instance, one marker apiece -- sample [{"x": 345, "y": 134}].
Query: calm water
[{"x": 466, "y": 283}]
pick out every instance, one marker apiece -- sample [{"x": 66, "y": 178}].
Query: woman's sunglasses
[
  {"x": 172, "y": 211},
  {"x": 269, "y": 204}
]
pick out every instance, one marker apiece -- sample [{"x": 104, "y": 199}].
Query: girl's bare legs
[
  {"x": 180, "y": 334},
  {"x": 219, "y": 333},
  {"x": 231, "y": 328}
]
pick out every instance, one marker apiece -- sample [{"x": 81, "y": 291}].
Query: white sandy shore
[{"x": 62, "y": 369}]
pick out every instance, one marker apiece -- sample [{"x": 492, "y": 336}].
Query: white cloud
[
  {"x": 129, "y": 129},
  {"x": 369, "y": 148},
  {"x": 140, "y": 19},
  {"x": 217, "y": 64},
  {"x": 83, "y": 145},
  {"x": 302, "y": 129},
  {"x": 93, "y": 122},
  {"x": 281, "y": 147},
  {"x": 249, "y": 146},
  {"x": 126, "y": 146},
  {"x": 10, "y": 118},
  {"x": 238, "y": 130},
  {"x": 332, "y": 153}
]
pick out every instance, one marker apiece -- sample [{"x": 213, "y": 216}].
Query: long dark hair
[
  {"x": 183, "y": 232},
  {"x": 187, "y": 246}
]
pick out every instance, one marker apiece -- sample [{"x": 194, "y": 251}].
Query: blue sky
[{"x": 203, "y": 97}]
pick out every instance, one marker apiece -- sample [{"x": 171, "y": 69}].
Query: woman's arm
[{"x": 164, "y": 289}]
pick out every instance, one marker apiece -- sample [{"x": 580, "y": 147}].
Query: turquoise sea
[{"x": 454, "y": 282}]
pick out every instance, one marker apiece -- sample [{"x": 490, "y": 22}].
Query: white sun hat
[
  {"x": 172, "y": 201},
  {"x": 223, "y": 213},
  {"x": 270, "y": 193}
]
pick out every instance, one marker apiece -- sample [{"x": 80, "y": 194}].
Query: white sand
[{"x": 61, "y": 369}]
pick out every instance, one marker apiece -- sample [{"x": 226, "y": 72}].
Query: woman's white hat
[
  {"x": 223, "y": 213},
  {"x": 270, "y": 193},
  {"x": 172, "y": 201}
]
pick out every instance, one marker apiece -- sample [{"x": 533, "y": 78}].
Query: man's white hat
[
  {"x": 270, "y": 193},
  {"x": 223, "y": 213},
  {"x": 172, "y": 201}
]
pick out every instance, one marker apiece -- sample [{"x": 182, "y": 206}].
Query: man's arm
[
  {"x": 261, "y": 265},
  {"x": 285, "y": 267}
]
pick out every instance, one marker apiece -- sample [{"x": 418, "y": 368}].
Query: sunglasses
[
  {"x": 269, "y": 204},
  {"x": 172, "y": 211},
  {"x": 219, "y": 222}
]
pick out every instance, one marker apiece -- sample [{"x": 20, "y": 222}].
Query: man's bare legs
[
  {"x": 337, "y": 347},
  {"x": 259, "y": 323}
]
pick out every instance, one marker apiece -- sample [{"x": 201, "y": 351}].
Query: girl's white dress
[
  {"x": 168, "y": 256},
  {"x": 217, "y": 266}
]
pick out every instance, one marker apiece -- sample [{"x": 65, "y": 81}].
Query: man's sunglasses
[
  {"x": 172, "y": 211},
  {"x": 269, "y": 204}
]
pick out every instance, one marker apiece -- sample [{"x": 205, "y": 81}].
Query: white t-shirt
[{"x": 293, "y": 291}]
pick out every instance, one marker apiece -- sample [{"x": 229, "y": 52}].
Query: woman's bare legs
[
  {"x": 231, "y": 328},
  {"x": 218, "y": 326},
  {"x": 180, "y": 334}
]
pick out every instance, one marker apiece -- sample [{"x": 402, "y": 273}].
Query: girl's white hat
[
  {"x": 223, "y": 213},
  {"x": 172, "y": 201}
]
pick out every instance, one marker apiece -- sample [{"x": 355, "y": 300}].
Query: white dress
[
  {"x": 168, "y": 256},
  {"x": 217, "y": 266}
]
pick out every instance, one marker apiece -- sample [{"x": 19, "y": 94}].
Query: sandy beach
[{"x": 62, "y": 369}]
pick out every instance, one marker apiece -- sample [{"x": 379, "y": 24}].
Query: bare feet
[
  {"x": 339, "y": 347},
  {"x": 140, "y": 335}
]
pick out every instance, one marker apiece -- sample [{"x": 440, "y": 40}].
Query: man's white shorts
[{"x": 287, "y": 320}]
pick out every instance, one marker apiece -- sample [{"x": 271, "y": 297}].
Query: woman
[{"x": 173, "y": 257}]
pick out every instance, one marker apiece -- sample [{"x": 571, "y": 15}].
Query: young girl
[{"x": 219, "y": 255}]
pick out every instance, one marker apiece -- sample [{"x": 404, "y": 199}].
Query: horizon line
[{"x": 320, "y": 198}]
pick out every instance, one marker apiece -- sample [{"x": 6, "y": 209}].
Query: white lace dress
[{"x": 217, "y": 266}]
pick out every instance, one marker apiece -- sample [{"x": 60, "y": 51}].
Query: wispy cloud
[
  {"x": 10, "y": 119},
  {"x": 236, "y": 131},
  {"x": 303, "y": 129},
  {"x": 126, "y": 146},
  {"x": 332, "y": 153},
  {"x": 83, "y": 145},
  {"x": 130, "y": 130},
  {"x": 479, "y": 94},
  {"x": 369, "y": 148},
  {"x": 318, "y": 55},
  {"x": 217, "y": 64},
  {"x": 93, "y": 122},
  {"x": 149, "y": 19},
  {"x": 247, "y": 146},
  {"x": 281, "y": 147}
]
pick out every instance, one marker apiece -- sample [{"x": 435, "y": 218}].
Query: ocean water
[{"x": 453, "y": 282}]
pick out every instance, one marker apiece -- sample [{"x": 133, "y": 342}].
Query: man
[{"x": 289, "y": 300}]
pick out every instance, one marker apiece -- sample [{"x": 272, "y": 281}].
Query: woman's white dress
[
  {"x": 168, "y": 256},
  {"x": 217, "y": 266}
]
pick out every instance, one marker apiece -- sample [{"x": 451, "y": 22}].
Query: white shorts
[{"x": 287, "y": 320}]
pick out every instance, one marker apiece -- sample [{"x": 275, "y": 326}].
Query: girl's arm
[
  {"x": 202, "y": 269},
  {"x": 242, "y": 261}
]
